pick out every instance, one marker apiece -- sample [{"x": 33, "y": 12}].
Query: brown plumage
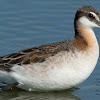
[{"x": 34, "y": 55}]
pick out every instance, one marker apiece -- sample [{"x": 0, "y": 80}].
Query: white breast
[{"x": 62, "y": 71}]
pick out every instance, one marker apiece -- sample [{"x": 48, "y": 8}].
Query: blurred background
[{"x": 29, "y": 23}]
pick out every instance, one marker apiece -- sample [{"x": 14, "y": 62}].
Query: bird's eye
[{"x": 91, "y": 16}]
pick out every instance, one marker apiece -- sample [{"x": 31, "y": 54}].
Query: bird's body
[{"x": 54, "y": 66}]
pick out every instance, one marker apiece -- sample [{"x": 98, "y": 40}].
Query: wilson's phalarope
[{"x": 55, "y": 66}]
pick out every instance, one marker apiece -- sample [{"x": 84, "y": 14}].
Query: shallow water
[
  {"x": 25, "y": 95},
  {"x": 28, "y": 23}
]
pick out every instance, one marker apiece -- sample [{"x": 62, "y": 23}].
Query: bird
[{"x": 56, "y": 66}]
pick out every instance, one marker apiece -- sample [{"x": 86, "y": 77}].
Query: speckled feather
[{"x": 34, "y": 55}]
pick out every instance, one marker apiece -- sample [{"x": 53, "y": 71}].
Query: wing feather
[{"x": 33, "y": 55}]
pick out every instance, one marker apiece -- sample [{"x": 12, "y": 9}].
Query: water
[{"x": 28, "y": 23}]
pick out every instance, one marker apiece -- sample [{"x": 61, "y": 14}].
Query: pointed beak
[
  {"x": 98, "y": 24},
  {"x": 99, "y": 20}
]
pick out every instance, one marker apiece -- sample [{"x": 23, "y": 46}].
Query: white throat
[{"x": 85, "y": 22}]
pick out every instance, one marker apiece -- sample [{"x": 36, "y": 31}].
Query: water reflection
[{"x": 17, "y": 94}]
